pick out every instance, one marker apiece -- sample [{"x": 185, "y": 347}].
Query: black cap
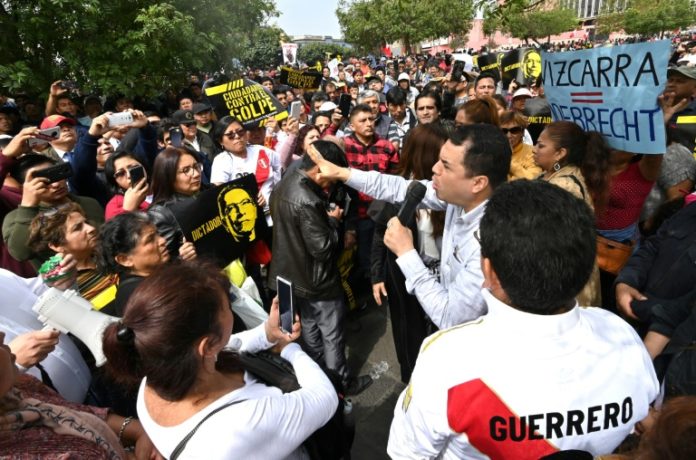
[
  {"x": 183, "y": 117},
  {"x": 200, "y": 107}
]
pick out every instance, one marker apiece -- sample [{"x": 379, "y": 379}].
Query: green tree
[
  {"x": 646, "y": 17},
  {"x": 130, "y": 46},
  {"x": 369, "y": 23},
  {"x": 535, "y": 25},
  {"x": 525, "y": 20},
  {"x": 264, "y": 49},
  {"x": 313, "y": 52}
]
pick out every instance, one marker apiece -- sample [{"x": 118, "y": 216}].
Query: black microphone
[{"x": 414, "y": 195}]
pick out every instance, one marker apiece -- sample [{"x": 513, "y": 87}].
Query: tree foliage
[
  {"x": 264, "y": 49},
  {"x": 540, "y": 24},
  {"x": 646, "y": 17},
  {"x": 313, "y": 52},
  {"x": 130, "y": 46},
  {"x": 524, "y": 20},
  {"x": 370, "y": 23}
]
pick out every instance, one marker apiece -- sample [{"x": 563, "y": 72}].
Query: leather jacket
[
  {"x": 168, "y": 227},
  {"x": 305, "y": 239}
]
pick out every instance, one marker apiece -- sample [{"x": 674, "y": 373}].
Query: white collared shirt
[{"x": 456, "y": 296}]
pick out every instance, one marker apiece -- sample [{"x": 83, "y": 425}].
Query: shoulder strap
[
  {"x": 182, "y": 444},
  {"x": 577, "y": 181}
]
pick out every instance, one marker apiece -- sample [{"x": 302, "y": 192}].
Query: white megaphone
[{"x": 67, "y": 312}]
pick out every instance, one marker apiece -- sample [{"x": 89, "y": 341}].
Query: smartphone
[
  {"x": 344, "y": 104},
  {"x": 175, "y": 137},
  {"x": 457, "y": 71},
  {"x": 50, "y": 134},
  {"x": 68, "y": 84},
  {"x": 136, "y": 174},
  {"x": 56, "y": 173},
  {"x": 295, "y": 109},
  {"x": 285, "y": 305},
  {"x": 120, "y": 119},
  {"x": 44, "y": 136}
]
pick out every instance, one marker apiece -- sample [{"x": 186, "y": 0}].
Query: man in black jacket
[{"x": 306, "y": 244}]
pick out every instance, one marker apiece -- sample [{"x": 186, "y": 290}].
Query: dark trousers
[
  {"x": 365, "y": 230},
  {"x": 323, "y": 332}
]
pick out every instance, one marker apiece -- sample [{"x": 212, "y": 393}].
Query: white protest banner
[
  {"x": 612, "y": 90},
  {"x": 289, "y": 53}
]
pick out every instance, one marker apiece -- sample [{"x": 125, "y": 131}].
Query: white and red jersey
[{"x": 517, "y": 385}]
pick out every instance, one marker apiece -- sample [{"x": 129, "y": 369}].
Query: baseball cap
[
  {"x": 328, "y": 106},
  {"x": 183, "y": 117},
  {"x": 403, "y": 76},
  {"x": 54, "y": 120},
  {"x": 522, "y": 92},
  {"x": 200, "y": 107},
  {"x": 687, "y": 71}
]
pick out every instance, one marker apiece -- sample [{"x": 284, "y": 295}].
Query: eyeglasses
[
  {"x": 191, "y": 169},
  {"x": 515, "y": 130},
  {"x": 234, "y": 134}
]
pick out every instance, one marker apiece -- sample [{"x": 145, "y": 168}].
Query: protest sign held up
[
  {"x": 245, "y": 100},
  {"x": 611, "y": 90},
  {"x": 223, "y": 221},
  {"x": 303, "y": 79},
  {"x": 521, "y": 65}
]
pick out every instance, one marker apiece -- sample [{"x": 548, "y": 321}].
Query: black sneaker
[{"x": 357, "y": 385}]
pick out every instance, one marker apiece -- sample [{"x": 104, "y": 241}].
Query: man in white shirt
[
  {"x": 538, "y": 373},
  {"x": 473, "y": 162}
]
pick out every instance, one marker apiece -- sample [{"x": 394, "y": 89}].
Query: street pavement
[{"x": 369, "y": 344}]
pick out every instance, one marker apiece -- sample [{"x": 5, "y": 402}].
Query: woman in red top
[
  {"x": 127, "y": 196},
  {"x": 632, "y": 178}
]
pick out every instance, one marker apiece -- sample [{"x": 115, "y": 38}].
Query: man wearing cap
[
  {"x": 349, "y": 73},
  {"x": 197, "y": 140},
  {"x": 203, "y": 114},
  {"x": 681, "y": 86},
  {"x": 405, "y": 84},
  {"x": 519, "y": 100}
]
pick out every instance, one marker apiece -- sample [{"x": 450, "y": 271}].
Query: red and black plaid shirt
[{"x": 380, "y": 155}]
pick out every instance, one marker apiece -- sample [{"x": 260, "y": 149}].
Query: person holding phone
[
  {"x": 40, "y": 195},
  {"x": 129, "y": 181},
  {"x": 186, "y": 364}
]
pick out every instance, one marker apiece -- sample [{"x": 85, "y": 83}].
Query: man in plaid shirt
[{"x": 365, "y": 150}]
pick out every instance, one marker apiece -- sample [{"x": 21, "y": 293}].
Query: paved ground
[{"x": 369, "y": 343}]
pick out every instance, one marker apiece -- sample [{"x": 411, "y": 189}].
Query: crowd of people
[{"x": 539, "y": 286}]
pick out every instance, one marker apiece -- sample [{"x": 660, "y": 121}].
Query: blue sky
[{"x": 305, "y": 17}]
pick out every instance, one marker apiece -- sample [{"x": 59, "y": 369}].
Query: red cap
[{"x": 55, "y": 120}]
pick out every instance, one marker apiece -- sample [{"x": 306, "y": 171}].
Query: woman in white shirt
[
  {"x": 173, "y": 339},
  {"x": 240, "y": 158}
]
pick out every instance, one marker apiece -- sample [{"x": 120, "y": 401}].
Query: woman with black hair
[
  {"x": 128, "y": 196},
  {"x": 131, "y": 248},
  {"x": 176, "y": 180}
]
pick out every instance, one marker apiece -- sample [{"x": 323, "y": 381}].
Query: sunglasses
[
  {"x": 515, "y": 130},
  {"x": 234, "y": 134}
]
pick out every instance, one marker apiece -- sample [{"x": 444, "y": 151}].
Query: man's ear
[
  {"x": 492, "y": 282},
  {"x": 480, "y": 184}
]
